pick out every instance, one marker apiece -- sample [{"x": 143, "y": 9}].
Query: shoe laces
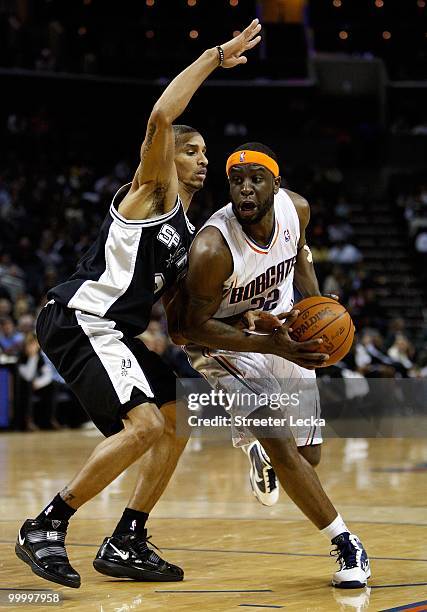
[
  {"x": 268, "y": 472},
  {"x": 271, "y": 479},
  {"x": 141, "y": 546},
  {"x": 346, "y": 555}
]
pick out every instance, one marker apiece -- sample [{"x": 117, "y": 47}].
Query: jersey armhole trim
[
  {"x": 121, "y": 220},
  {"x": 228, "y": 246},
  {"x": 295, "y": 212},
  {"x": 190, "y": 226}
]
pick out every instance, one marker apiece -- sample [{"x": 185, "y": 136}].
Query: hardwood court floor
[{"x": 236, "y": 553}]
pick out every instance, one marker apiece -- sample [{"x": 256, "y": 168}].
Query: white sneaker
[
  {"x": 262, "y": 477},
  {"x": 354, "y": 563}
]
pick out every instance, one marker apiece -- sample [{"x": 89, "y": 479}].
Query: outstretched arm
[
  {"x": 155, "y": 185},
  {"x": 305, "y": 277}
]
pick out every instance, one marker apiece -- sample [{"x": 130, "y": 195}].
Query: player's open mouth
[{"x": 247, "y": 208}]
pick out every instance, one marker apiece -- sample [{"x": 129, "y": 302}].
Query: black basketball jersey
[{"x": 129, "y": 266}]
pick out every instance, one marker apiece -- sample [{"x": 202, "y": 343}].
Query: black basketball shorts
[{"x": 109, "y": 372}]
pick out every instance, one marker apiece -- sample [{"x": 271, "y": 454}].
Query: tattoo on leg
[{"x": 66, "y": 494}]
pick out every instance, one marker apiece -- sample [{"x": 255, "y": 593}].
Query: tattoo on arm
[
  {"x": 66, "y": 494},
  {"x": 148, "y": 140}
]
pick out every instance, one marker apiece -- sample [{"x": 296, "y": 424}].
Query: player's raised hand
[{"x": 233, "y": 49}]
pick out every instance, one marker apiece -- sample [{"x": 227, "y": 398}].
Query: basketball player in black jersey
[{"x": 88, "y": 331}]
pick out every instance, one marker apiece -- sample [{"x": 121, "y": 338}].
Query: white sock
[{"x": 335, "y": 528}]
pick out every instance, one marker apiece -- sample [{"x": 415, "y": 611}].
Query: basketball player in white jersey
[{"x": 255, "y": 250}]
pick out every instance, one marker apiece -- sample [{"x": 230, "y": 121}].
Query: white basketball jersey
[{"x": 262, "y": 276}]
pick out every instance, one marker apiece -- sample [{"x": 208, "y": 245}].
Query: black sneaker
[
  {"x": 128, "y": 556},
  {"x": 41, "y": 544}
]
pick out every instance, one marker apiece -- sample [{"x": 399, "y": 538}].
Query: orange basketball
[{"x": 323, "y": 317}]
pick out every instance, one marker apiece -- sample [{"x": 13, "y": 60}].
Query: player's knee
[
  {"x": 147, "y": 424},
  {"x": 283, "y": 452},
  {"x": 177, "y": 425},
  {"x": 311, "y": 453},
  {"x": 179, "y": 433},
  {"x": 153, "y": 427}
]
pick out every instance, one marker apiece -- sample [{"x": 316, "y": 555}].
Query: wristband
[{"x": 220, "y": 55}]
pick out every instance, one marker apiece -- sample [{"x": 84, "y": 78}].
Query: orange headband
[{"x": 252, "y": 157}]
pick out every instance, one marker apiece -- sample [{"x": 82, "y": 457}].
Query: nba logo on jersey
[
  {"x": 242, "y": 156},
  {"x": 287, "y": 235},
  {"x": 133, "y": 525}
]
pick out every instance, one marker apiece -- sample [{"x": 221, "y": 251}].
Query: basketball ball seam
[
  {"x": 325, "y": 301},
  {"x": 338, "y": 348}
]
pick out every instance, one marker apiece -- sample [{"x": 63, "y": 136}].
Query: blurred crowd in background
[
  {"x": 88, "y": 36},
  {"x": 64, "y": 156},
  {"x": 50, "y": 214}
]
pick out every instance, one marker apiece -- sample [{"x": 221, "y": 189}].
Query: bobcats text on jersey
[{"x": 274, "y": 275}]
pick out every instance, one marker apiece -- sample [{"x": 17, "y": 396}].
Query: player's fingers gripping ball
[
  {"x": 325, "y": 318},
  {"x": 261, "y": 321}
]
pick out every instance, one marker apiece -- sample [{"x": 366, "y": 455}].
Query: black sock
[
  {"x": 57, "y": 509},
  {"x": 132, "y": 521}
]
